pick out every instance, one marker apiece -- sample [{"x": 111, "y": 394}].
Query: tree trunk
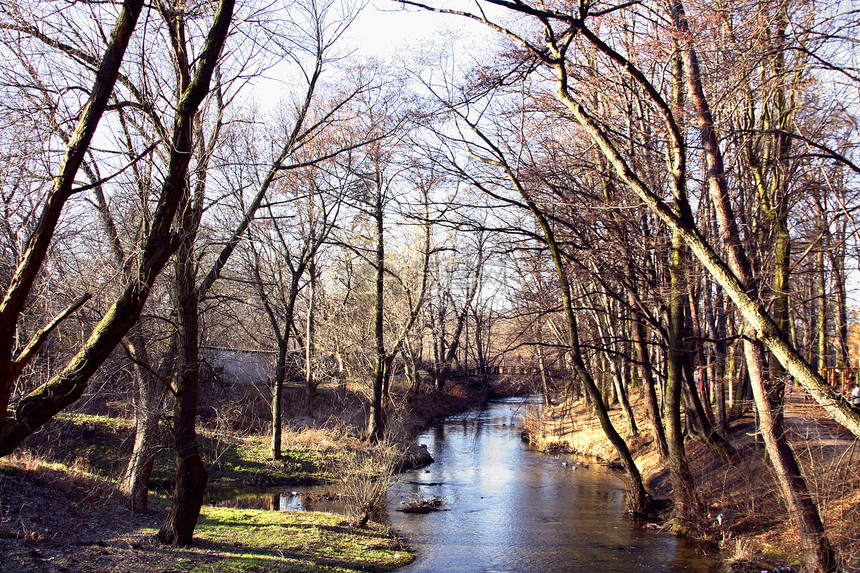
[
  {"x": 191, "y": 477},
  {"x": 310, "y": 382},
  {"x": 687, "y": 504},
  {"x": 646, "y": 372},
  {"x": 638, "y": 502},
  {"x": 149, "y": 397},
  {"x": 376, "y": 419},
  {"x": 752, "y": 310},
  {"x": 282, "y": 368},
  {"x": 717, "y": 444},
  {"x": 615, "y": 372},
  {"x": 717, "y": 328},
  {"x": 621, "y": 392},
  {"x": 28, "y": 268},
  {"x": 817, "y": 551},
  {"x": 742, "y": 394},
  {"x": 544, "y": 379},
  {"x": 697, "y": 349},
  {"x": 821, "y": 274},
  {"x": 277, "y": 396},
  {"x": 837, "y": 267}
]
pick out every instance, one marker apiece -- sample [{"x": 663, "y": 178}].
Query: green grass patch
[
  {"x": 259, "y": 540},
  {"x": 95, "y": 422},
  {"x": 247, "y": 461},
  {"x": 101, "y": 534}
]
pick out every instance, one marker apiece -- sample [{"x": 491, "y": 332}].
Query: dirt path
[{"x": 807, "y": 423}]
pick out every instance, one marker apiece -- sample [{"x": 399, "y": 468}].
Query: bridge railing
[
  {"x": 840, "y": 378},
  {"x": 518, "y": 370}
]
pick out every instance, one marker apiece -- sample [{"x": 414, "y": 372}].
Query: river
[
  {"x": 510, "y": 508},
  {"x": 507, "y": 507}
]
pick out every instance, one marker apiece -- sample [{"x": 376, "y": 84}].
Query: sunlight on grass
[{"x": 258, "y": 540}]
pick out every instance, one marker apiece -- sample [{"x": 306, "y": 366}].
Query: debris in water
[{"x": 422, "y": 505}]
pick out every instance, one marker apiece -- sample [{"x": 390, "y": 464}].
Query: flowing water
[{"x": 509, "y": 508}]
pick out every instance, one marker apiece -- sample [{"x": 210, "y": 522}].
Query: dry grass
[
  {"x": 367, "y": 476},
  {"x": 326, "y": 439}
]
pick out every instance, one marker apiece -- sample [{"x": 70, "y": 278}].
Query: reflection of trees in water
[
  {"x": 313, "y": 500},
  {"x": 515, "y": 509},
  {"x": 477, "y": 421},
  {"x": 438, "y": 438}
]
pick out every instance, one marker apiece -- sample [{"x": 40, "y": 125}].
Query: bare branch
[{"x": 42, "y": 335}]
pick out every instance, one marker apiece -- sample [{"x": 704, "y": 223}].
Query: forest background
[{"x": 655, "y": 199}]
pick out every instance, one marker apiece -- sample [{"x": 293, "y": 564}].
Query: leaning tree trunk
[
  {"x": 544, "y": 378},
  {"x": 621, "y": 392},
  {"x": 751, "y": 309},
  {"x": 817, "y": 552},
  {"x": 715, "y": 442},
  {"x": 697, "y": 350},
  {"x": 27, "y": 270},
  {"x": 638, "y": 500}
]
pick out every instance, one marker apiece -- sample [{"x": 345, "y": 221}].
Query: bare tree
[
  {"x": 284, "y": 247},
  {"x": 41, "y": 404}
]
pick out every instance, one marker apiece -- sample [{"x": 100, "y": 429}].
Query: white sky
[
  {"x": 421, "y": 41},
  {"x": 387, "y": 30}
]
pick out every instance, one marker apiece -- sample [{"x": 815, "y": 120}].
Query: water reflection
[
  {"x": 513, "y": 509},
  {"x": 297, "y": 498}
]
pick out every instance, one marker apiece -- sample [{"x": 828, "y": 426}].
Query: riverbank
[
  {"x": 57, "y": 518},
  {"x": 61, "y": 511},
  {"x": 238, "y": 453},
  {"x": 745, "y": 517}
]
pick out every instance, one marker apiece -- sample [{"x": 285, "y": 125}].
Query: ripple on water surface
[{"x": 510, "y": 508}]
